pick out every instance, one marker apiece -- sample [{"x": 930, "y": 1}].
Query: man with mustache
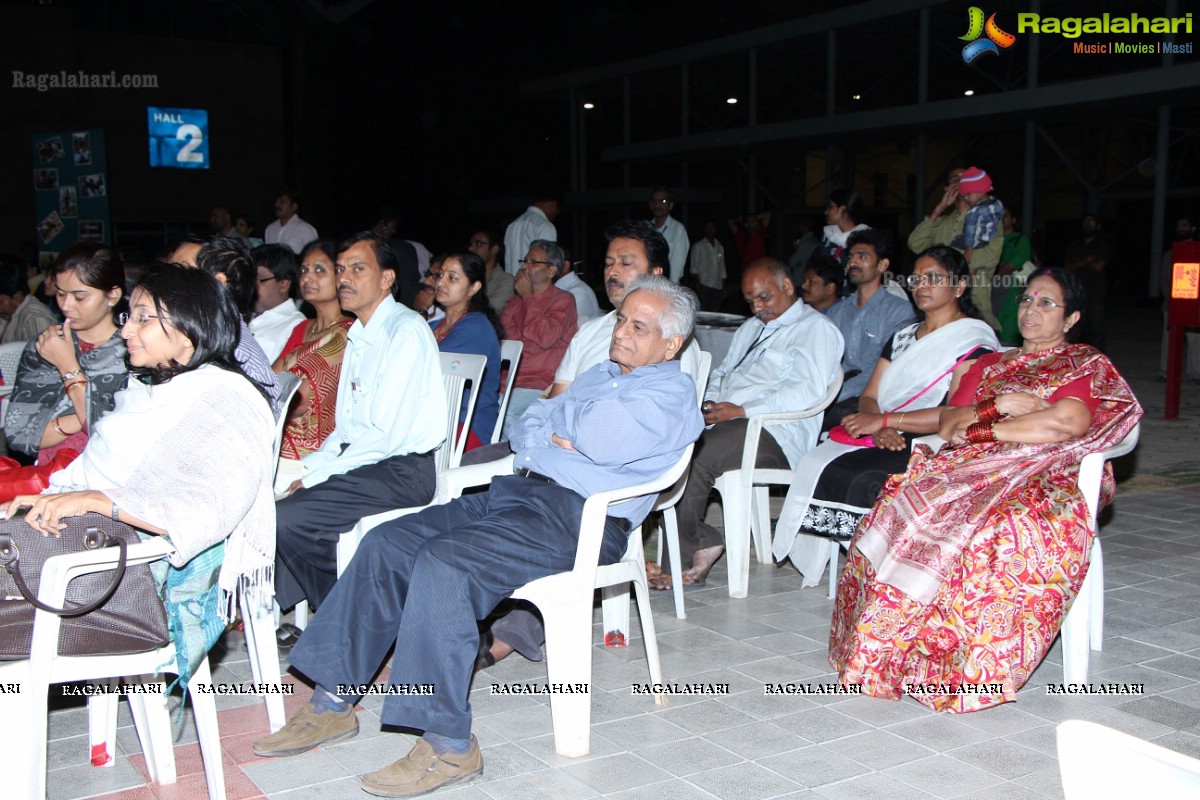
[
  {"x": 781, "y": 359},
  {"x": 867, "y": 319},
  {"x": 389, "y": 422}
]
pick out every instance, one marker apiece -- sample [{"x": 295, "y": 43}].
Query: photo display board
[{"x": 70, "y": 190}]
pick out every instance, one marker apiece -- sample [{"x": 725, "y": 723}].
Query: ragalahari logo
[{"x": 996, "y": 40}]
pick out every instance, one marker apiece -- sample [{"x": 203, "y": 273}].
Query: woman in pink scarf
[{"x": 961, "y": 574}]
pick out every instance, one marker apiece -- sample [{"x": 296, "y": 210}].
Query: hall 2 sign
[{"x": 178, "y": 137}]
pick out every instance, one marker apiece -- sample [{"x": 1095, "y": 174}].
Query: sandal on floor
[{"x": 660, "y": 582}]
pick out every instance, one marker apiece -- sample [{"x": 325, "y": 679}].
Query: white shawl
[
  {"x": 926, "y": 359},
  {"x": 193, "y": 457}
]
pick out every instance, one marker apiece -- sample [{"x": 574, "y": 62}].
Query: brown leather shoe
[
  {"x": 423, "y": 770},
  {"x": 306, "y": 730}
]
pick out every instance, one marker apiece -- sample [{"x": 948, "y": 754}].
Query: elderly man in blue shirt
[
  {"x": 429, "y": 577},
  {"x": 867, "y": 319}
]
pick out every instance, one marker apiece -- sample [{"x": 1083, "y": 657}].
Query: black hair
[
  {"x": 97, "y": 266},
  {"x": 662, "y": 187},
  {"x": 13, "y": 275},
  {"x": 225, "y": 255},
  {"x": 1074, "y": 295},
  {"x": 548, "y": 195},
  {"x": 879, "y": 240},
  {"x": 476, "y": 271},
  {"x": 198, "y": 307},
  {"x": 853, "y": 202},
  {"x": 955, "y": 263},
  {"x": 385, "y": 256},
  {"x": 495, "y": 239},
  {"x": 289, "y": 193},
  {"x": 657, "y": 250},
  {"x": 280, "y": 260},
  {"x": 827, "y": 268},
  {"x": 327, "y": 246}
]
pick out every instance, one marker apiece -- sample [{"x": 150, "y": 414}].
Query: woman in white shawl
[
  {"x": 837, "y": 483},
  {"x": 185, "y": 453}
]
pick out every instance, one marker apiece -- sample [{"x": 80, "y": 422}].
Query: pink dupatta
[{"x": 926, "y": 517}]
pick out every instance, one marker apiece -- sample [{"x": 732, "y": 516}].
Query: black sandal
[{"x": 484, "y": 658}]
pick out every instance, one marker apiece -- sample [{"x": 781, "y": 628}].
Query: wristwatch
[{"x": 75, "y": 373}]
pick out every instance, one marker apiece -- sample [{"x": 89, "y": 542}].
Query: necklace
[{"x": 443, "y": 330}]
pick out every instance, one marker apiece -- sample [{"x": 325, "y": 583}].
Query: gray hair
[
  {"x": 680, "y": 317},
  {"x": 553, "y": 250}
]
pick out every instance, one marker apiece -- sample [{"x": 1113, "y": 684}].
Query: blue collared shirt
[
  {"x": 866, "y": 330},
  {"x": 626, "y": 429}
]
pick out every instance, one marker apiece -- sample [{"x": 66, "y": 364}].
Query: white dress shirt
[
  {"x": 589, "y": 347},
  {"x": 295, "y": 234},
  {"x": 784, "y": 365},
  {"x": 677, "y": 240},
  {"x": 274, "y": 327},
  {"x": 390, "y": 399},
  {"x": 708, "y": 263},
  {"x": 585, "y": 298},
  {"x": 533, "y": 224}
]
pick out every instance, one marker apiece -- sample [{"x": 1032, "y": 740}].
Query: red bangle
[
  {"x": 885, "y": 419},
  {"x": 986, "y": 411},
  {"x": 74, "y": 383},
  {"x": 980, "y": 433}
]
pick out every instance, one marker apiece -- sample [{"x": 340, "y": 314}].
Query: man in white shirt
[
  {"x": 276, "y": 312},
  {"x": 782, "y": 359},
  {"x": 671, "y": 229},
  {"x": 288, "y": 228},
  {"x": 391, "y": 416},
  {"x": 569, "y": 281},
  {"x": 708, "y": 267},
  {"x": 536, "y": 223}
]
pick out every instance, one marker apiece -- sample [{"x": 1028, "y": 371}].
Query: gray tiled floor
[{"x": 747, "y": 745}]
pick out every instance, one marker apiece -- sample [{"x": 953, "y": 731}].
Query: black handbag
[{"x": 105, "y": 613}]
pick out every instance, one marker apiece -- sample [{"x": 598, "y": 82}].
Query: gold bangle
[{"x": 58, "y": 427}]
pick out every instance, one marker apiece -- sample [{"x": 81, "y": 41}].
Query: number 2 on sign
[{"x": 195, "y": 137}]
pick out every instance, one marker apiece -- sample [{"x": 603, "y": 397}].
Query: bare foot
[
  {"x": 702, "y": 562},
  {"x": 500, "y": 650}
]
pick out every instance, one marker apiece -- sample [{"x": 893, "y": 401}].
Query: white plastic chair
[
  {"x": 10, "y": 357},
  {"x": 510, "y": 351},
  {"x": 26, "y": 714},
  {"x": 457, "y": 370},
  {"x": 1083, "y": 627},
  {"x": 565, "y": 599},
  {"x": 1099, "y": 762},
  {"x": 667, "y": 501},
  {"x": 745, "y": 498}
]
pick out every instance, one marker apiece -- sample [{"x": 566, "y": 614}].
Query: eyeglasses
[
  {"x": 437, "y": 276},
  {"x": 268, "y": 280},
  {"x": 928, "y": 279},
  {"x": 141, "y": 319},
  {"x": 479, "y": 243},
  {"x": 1042, "y": 303},
  {"x": 536, "y": 263},
  {"x": 660, "y": 201}
]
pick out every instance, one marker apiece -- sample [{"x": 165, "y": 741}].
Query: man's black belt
[{"x": 622, "y": 523}]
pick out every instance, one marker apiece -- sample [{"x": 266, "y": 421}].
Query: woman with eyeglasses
[
  {"x": 314, "y": 353},
  {"x": 837, "y": 482},
  {"x": 470, "y": 326},
  {"x": 961, "y": 574},
  {"x": 68, "y": 375},
  {"x": 185, "y": 453}
]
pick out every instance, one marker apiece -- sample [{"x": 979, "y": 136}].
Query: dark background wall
[{"x": 240, "y": 85}]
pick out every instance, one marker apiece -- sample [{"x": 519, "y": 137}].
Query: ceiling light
[
  {"x": 732, "y": 101},
  {"x": 856, "y": 97},
  {"x": 969, "y": 93},
  {"x": 589, "y": 106}
]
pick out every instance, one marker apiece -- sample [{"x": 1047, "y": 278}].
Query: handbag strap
[
  {"x": 933, "y": 383},
  {"x": 94, "y": 539}
]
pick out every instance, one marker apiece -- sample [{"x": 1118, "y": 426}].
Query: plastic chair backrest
[
  {"x": 1096, "y": 761},
  {"x": 458, "y": 369},
  {"x": 289, "y": 384},
  {"x": 10, "y": 357},
  {"x": 510, "y": 351}
]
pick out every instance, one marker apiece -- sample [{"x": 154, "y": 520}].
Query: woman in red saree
[
  {"x": 959, "y": 578},
  {"x": 314, "y": 353}
]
